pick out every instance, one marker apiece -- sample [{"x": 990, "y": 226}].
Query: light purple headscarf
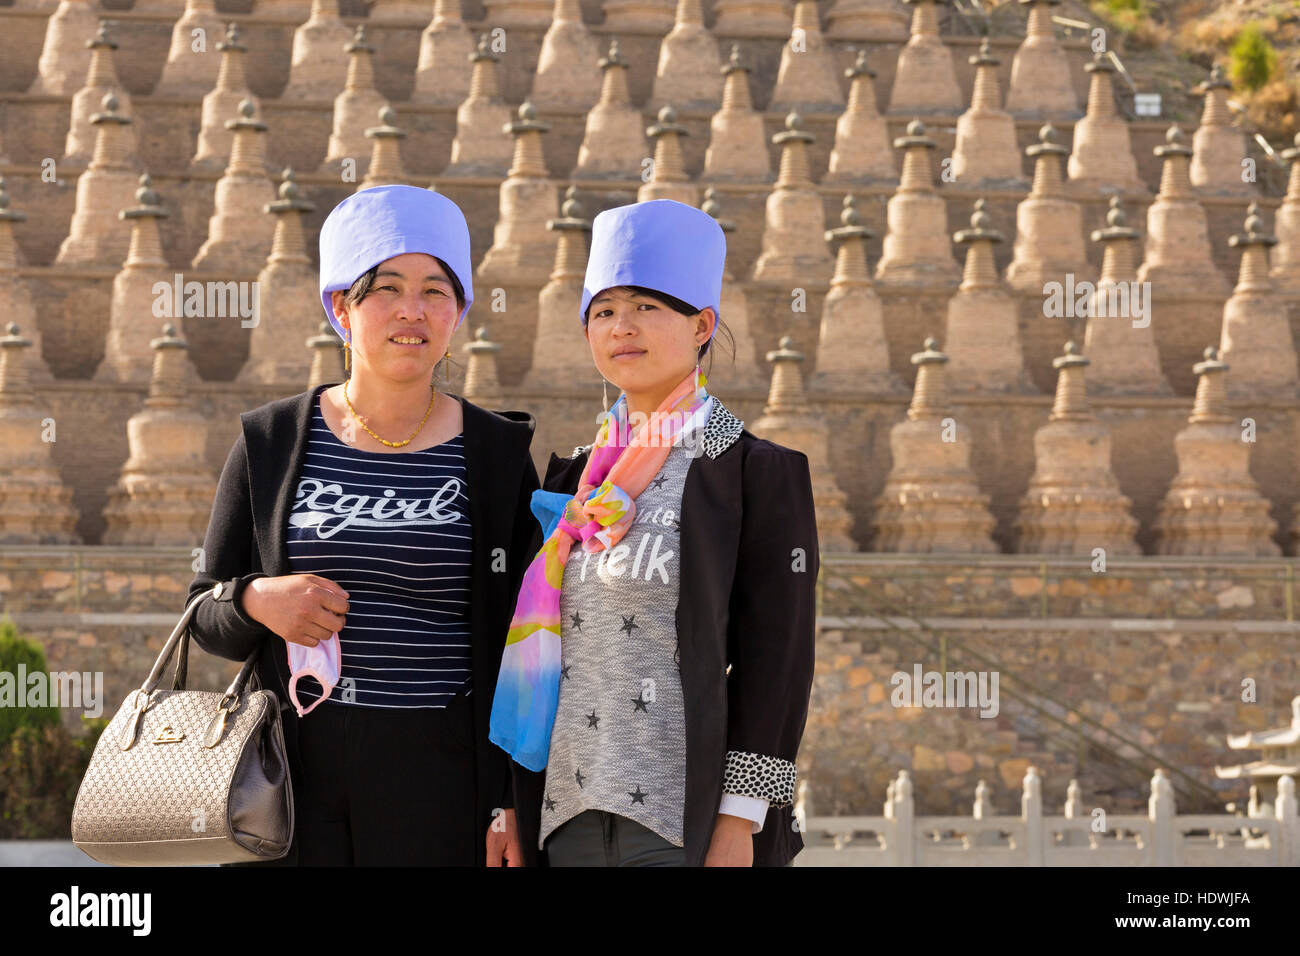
[
  {"x": 376, "y": 224},
  {"x": 661, "y": 244}
]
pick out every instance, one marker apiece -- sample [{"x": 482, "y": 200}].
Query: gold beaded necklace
[{"x": 371, "y": 431}]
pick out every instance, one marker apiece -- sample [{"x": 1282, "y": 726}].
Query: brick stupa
[
  {"x": 866, "y": 20},
  {"x": 479, "y": 148},
  {"x": 101, "y": 80},
  {"x": 737, "y": 150},
  {"x": 755, "y": 18},
  {"x": 523, "y": 249},
  {"x": 288, "y": 296},
  {"x": 613, "y": 144},
  {"x": 482, "y": 386},
  {"x": 916, "y": 249},
  {"x": 687, "y": 72},
  {"x": 1285, "y": 270},
  {"x": 445, "y": 45},
  {"x": 128, "y": 356},
  {"x": 1101, "y": 156},
  {"x": 1178, "y": 240},
  {"x": 852, "y": 352},
  {"x": 1040, "y": 73},
  {"x": 567, "y": 76},
  {"x": 744, "y": 370},
  {"x": 807, "y": 79},
  {"x": 561, "y": 354},
  {"x": 982, "y": 336},
  {"x": 16, "y": 302},
  {"x": 191, "y": 69},
  {"x": 931, "y": 502},
  {"x": 788, "y": 420},
  {"x": 65, "y": 54},
  {"x": 1256, "y": 338},
  {"x": 318, "y": 65},
  {"x": 35, "y": 506},
  {"x": 326, "y": 357},
  {"x": 1049, "y": 225},
  {"x": 1219, "y": 147},
  {"x": 163, "y": 496},
  {"x": 794, "y": 243},
  {"x": 222, "y": 102},
  {"x": 1073, "y": 504},
  {"x": 1213, "y": 506},
  {"x": 97, "y": 237},
  {"x": 1120, "y": 339},
  {"x": 668, "y": 177},
  {"x": 239, "y": 235},
  {"x": 986, "y": 155},
  {"x": 355, "y": 109},
  {"x": 653, "y": 16},
  {"x": 385, "y": 165},
  {"x": 925, "y": 82},
  {"x": 861, "y": 152}
]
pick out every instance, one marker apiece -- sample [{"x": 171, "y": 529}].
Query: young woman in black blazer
[
  {"x": 396, "y": 517},
  {"x": 685, "y": 650}
]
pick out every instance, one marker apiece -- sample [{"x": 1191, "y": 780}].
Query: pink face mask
[{"x": 322, "y": 662}]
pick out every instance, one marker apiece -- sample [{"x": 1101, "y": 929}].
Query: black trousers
[
  {"x": 598, "y": 838},
  {"x": 387, "y": 787}
]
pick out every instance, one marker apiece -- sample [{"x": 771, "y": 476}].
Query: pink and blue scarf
[{"x": 619, "y": 468}]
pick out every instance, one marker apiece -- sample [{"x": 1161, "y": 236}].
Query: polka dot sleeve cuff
[{"x": 760, "y": 776}]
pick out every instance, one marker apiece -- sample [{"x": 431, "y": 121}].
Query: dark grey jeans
[{"x": 597, "y": 838}]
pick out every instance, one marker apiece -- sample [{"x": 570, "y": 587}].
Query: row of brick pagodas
[{"x": 532, "y": 250}]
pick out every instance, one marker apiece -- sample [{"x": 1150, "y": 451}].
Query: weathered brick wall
[{"x": 1153, "y": 650}]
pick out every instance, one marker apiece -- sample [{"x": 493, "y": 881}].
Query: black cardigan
[
  {"x": 246, "y": 539},
  {"x": 747, "y": 602}
]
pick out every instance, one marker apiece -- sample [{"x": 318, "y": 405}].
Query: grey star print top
[{"x": 619, "y": 739}]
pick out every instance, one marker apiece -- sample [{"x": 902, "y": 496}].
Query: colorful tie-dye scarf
[{"x": 619, "y": 468}]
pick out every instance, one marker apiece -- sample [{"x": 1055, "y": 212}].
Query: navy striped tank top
[{"x": 393, "y": 530}]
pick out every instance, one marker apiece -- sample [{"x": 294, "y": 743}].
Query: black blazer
[
  {"x": 746, "y": 619},
  {"x": 246, "y": 539}
]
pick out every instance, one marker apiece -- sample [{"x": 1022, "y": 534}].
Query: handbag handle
[{"x": 180, "y": 636}]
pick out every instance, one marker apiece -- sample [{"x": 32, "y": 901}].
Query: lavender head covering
[
  {"x": 375, "y": 224},
  {"x": 661, "y": 244}
]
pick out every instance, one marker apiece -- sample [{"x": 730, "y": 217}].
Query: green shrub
[
  {"x": 14, "y": 650},
  {"x": 1252, "y": 59},
  {"x": 40, "y": 771},
  {"x": 1126, "y": 6}
]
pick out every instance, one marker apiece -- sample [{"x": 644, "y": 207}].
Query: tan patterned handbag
[{"x": 188, "y": 776}]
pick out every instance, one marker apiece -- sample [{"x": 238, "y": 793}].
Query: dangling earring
[
  {"x": 446, "y": 368},
  {"x": 347, "y": 355},
  {"x": 604, "y": 392},
  {"x": 697, "y": 375}
]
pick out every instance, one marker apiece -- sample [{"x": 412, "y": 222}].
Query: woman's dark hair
[
  {"x": 677, "y": 305},
  {"x": 361, "y": 288}
]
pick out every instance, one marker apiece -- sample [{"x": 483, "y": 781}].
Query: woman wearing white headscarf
[
  {"x": 371, "y": 535},
  {"x": 656, "y": 676}
]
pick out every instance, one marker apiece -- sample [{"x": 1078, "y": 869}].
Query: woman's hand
[
  {"x": 732, "y": 843},
  {"x": 301, "y": 608},
  {"x": 503, "y": 841}
]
